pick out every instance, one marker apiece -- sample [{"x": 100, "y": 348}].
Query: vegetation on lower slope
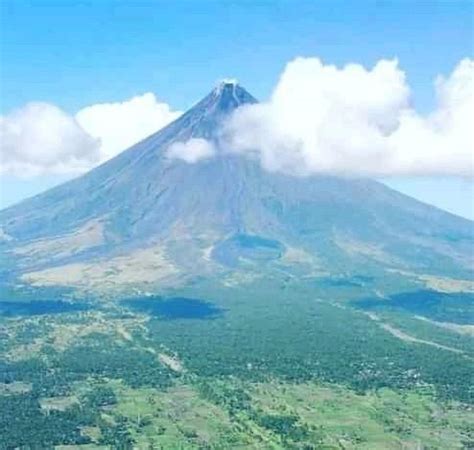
[{"x": 282, "y": 368}]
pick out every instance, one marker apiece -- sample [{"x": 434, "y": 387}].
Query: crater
[{"x": 249, "y": 247}]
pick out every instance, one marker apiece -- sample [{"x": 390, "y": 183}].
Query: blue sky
[{"x": 77, "y": 53}]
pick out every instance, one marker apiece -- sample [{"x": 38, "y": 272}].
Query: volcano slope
[{"x": 163, "y": 302}]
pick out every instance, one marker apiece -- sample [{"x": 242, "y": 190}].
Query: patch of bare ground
[
  {"x": 441, "y": 284},
  {"x": 461, "y": 329},
  {"x": 172, "y": 362},
  {"x": 370, "y": 250},
  {"x": 61, "y": 336},
  {"x": 15, "y": 387},
  {"x": 57, "y": 403},
  {"x": 408, "y": 338},
  {"x": 91, "y": 234},
  {"x": 142, "y": 266}
]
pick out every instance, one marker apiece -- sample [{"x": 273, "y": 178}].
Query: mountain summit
[
  {"x": 143, "y": 218},
  {"x": 203, "y": 119}
]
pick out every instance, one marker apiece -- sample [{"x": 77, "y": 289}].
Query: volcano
[{"x": 145, "y": 219}]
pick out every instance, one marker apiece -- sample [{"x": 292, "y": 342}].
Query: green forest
[{"x": 273, "y": 370}]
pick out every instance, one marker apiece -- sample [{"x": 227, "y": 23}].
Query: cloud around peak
[
  {"x": 354, "y": 121},
  {"x": 191, "y": 151},
  {"x": 320, "y": 118}
]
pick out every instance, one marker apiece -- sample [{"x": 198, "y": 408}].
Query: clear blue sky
[{"x": 77, "y": 53}]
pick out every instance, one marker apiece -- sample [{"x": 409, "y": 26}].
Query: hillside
[{"x": 144, "y": 218}]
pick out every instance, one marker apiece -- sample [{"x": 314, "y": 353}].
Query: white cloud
[
  {"x": 40, "y": 138},
  {"x": 443, "y": 142},
  {"x": 122, "y": 124},
  {"x": 319, "y": 119},
  {"x": 350, "y": 120},
  {"x": 191, "y": 151}
]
